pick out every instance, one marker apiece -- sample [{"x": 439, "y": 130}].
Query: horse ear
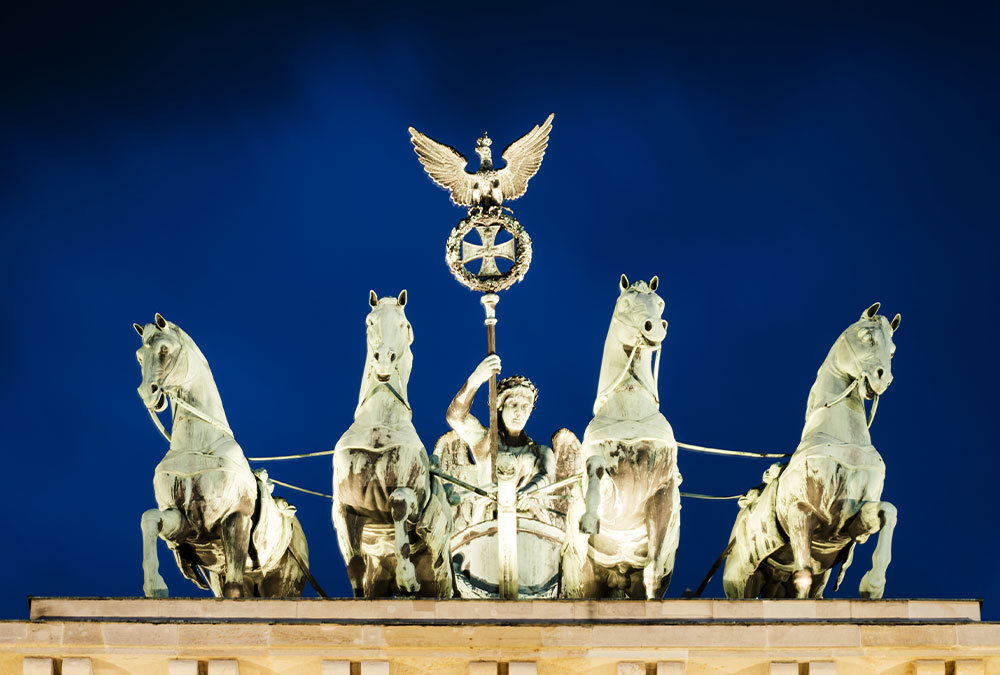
[
  {"x": 894, "y": 324},
  {"x": 161, "y": 323},
  {"x": 401, "y": 300},
  {"x": 138, "y": 328},
  {"x": 372, "y": 299},
  {"x": 871, "y": 311},
  {"x": 653, "y": 283},
  {"x": 624, "y": 282}
]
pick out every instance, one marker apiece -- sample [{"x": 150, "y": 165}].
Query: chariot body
[{"x": 478, "y": 538}]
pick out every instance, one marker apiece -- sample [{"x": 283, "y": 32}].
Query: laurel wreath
[{"x": 492, "y": 284}]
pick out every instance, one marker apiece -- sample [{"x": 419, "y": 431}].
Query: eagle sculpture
[{"x": 486, "y": 187}]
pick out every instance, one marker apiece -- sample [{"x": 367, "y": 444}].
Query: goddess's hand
[{"x": 489, "y": 366}]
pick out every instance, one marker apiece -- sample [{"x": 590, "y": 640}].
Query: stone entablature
[{"x": 403, "y": 637}]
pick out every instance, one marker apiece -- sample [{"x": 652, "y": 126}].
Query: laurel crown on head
[
  {"x": 507, "y": 385},
  {"x": 484, "y": 141}
]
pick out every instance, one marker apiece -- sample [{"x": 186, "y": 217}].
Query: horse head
[
  {"x": 160, "y": 358},
  {"x": 637, "y": 319},
  {"x": 864, "y": 352},
  {"x": 389, "y": 336},
  {"x": 636, "y": 333}
]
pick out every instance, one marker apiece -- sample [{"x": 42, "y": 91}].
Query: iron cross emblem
[{"x": 489, "y": 251}]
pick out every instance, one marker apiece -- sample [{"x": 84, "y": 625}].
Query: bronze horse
[
  {"x": 392, "y": 518},
  {"x": 632, "y": 481},
  {"x": 228, "y": 533},
  {"x": 809, "y": 514}
]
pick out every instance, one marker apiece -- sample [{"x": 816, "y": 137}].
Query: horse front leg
[
  {"x": 235, "y": 545},
  {"x": 403, "y": 507},
  {"x": 350, "y": 526},
  {"x": 881, "y": 518},
  {"x": 436, "y": 532},
  {"x": 663, "y": 530},
  {"x": 590, "y": 522},
  {"x": 799, "y": 524},
  {"x": 169, "y": 524}
]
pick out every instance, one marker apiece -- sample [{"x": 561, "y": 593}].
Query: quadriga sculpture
[
  {"x": 632, "y": 481},
  {"x": 808, "y": 516},
  {"x": 226, "y": 531},
  {"x": 392, "y": 518}
]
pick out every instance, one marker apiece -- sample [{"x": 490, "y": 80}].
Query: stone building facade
[{"x": 459, "y": 637}]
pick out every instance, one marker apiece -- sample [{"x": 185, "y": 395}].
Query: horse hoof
[
  {"x": 232, "y": 590},
  {"x": 870, "y": 589},
  {"x": 406, "y": 578},
  {"x": 156, "y": 589},
  {"x": 803, "y": 580},
  {"x": 590, "y": 524},
  {"x": 156, "y": 592},
  {"x": 406, "y": 587}
]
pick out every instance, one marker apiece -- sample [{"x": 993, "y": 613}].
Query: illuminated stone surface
[{"x": 455, "y": 637}]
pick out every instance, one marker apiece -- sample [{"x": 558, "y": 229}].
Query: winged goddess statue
[{"x": 487, "y": 187}]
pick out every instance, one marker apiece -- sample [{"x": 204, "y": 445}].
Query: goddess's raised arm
[{"x": 465, "y": 424}]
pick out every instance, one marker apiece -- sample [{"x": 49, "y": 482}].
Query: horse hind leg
[
  {"x": 437, "y": 537},
  {"x": 590, "y": 522},
  {"x": 663, "y": 530},
  {"x": 235, "y": 545},
  {"x": 799, "y": 524},
  {"x": 403, "y": 508},
  {"x": 169, "y": 524},
  {"x": 878, "y": 517},
  {"x": 350, "y": 526}
]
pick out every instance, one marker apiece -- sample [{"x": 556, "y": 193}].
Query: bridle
[
  {"x": 855, "y": 383},
  {"x": 172, "y": 394},
  {"x": 640, "y": 343}
]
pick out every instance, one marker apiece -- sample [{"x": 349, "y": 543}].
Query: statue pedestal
[{"x": 322, "y": 637}]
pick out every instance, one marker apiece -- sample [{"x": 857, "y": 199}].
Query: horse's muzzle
[
  {"x": 875, "y": 386},
  {"x": 653, "y": 332}
]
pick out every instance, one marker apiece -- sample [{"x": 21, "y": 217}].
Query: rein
[
  {"x": 658, "y": 350},
  {"x": 847, "y": 392},
  {"x": 181, "y": 403}
]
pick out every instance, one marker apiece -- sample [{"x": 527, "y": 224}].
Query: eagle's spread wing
[
  {"x": 445, "y": 165},
  {"x": 523, "y": 158}
]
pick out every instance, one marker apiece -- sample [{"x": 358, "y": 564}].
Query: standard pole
[
  {"x": 506, "y": 497},
  {"x": 490, "y": 301}
]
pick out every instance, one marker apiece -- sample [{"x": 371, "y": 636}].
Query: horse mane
[
  {"x": 193, "y": 350},
  {"x": 814, "y": 402},
  {"x": 189, "y": 343}
]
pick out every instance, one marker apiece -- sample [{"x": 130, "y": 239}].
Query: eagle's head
[{"x": 483, "y": 150}]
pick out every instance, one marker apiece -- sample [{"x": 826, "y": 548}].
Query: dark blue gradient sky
[{"x": 247, "y": 173}]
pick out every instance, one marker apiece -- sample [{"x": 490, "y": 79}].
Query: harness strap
[
  {"x": 603, "y": 396},
  {"x": 731, "y": 453},
  {"x": 282, "y": 457},
  {"x": 305, "y": 570},
  {"x": 847, "y": 392},
  {"x": 857, "y": 382},
  {"x": 844, "y": 394},
  {"x": 158, "y": 423},
  {"x": 205, "y": 417}
]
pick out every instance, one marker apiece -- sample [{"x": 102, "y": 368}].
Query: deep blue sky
[{"x": 247, "y": 173}]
